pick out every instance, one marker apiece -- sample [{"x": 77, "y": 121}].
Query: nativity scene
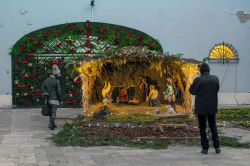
[{"x": 136, "y": 80}]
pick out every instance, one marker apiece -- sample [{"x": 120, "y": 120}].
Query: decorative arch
[
  {"x": 65, "y": 45},
  {"x": 223, "y": 52}
]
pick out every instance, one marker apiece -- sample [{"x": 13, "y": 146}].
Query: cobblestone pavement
[{"x": 23, "y": 142}]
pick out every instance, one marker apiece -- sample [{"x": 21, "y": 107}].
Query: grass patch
[
  {"x": 233, "y": 113},
  {"x": 236, "y": 115},
  {"x": 245, "y": 123},
  {"x": 233, "y": 142}
]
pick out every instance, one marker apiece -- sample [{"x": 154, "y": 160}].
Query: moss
[
  {"x": 236, "y": 115},
  {"x": 233, "y": 142},
  {"x": 233, "y": 113}
]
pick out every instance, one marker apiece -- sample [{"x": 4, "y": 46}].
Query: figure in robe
[
  {"x": 143, "y": 86},
  {"x": 153, "y": 97},
  {"x": 123, "y": 95},
  {"x": 169, "y": 94}
]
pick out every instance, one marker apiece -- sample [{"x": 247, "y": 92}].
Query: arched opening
[{"x": 65, "y": 45}]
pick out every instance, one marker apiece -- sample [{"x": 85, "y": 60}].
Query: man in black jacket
[
  {"x": 51, "y": 87},
  {"x": 205, "y": 88}
]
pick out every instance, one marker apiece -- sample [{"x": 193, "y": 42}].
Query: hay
[
  {"x": 125, "y": 69},
  {"x": 133, "y": 109}
]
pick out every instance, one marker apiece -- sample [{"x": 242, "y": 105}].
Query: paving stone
[
  {"x": 28, "y": 159},
  {"x": 41, "y": 156},
  {"x": 86, "y": 158},
  {"x": 55, "y": 156},
  {"x": 243, "y": 135},
  {"x": 23, "y": 142},
  {"x": 43, "y": 164},
  {"x": 7, "y": 164}
]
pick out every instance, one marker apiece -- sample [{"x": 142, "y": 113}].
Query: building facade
[{"x": 191, "y": 28}]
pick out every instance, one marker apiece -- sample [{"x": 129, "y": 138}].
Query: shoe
[
  {"x": 217, "y": 150},
  {"x": 51, "y": 126},
  {"x": 55, "y": 126},
  {"x": 204, "y": 151}
]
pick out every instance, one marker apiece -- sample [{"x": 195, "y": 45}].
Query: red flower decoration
[
  {"x": 57, "y": 34},
  {"x": 102, "y": 30},
  {"x": 71, "y": 93},
  {"x": 27, "y": 76},
  {"x": 22, "y": 48},
  {"x": 78, "y": 81},
  {"x": 87, "y": 52},
  {"x": 137, "y": 43},
  {"x": 54, "y": 63},
  {"x": 59, "y": 45},
  {"x": 70, "y": 102},
  {"x": 31, "y": 39},
  {"x": 79, "y": 30},
  {"x": 39, "y": 43},
  {"x": 70, "y": 26},
  {"x": 116, "y": 32},
  {"x": 130, "y": 35},
  {"x": 87, "y": 43},
  {"x": 87, "y": 26},
  {"x": 151, "y": 45},
  {"x": 87, "y": 34},
  {"x": 25, "y": 61},
  {"x": 117, "y": 40},
  {"x": 46, "y": 35},
  {"x": 37, "y": 93},
  {"x": 30, "y": 54},
  {"x": 140, "y": 37},
  {"x": 22, "y": 86}
]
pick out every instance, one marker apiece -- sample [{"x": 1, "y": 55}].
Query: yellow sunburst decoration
[{"x": 223, "y": 51}]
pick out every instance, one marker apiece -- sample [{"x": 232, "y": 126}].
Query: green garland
[{"x": 66, "y": 44}]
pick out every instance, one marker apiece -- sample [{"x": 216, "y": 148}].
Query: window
[{"x": 223, "y": 53}]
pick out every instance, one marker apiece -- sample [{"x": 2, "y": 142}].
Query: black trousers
[
  {"x": 203, "y": 134},
  {"x": 53, "y": 109}
]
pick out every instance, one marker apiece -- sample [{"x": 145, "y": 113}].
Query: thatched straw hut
[{"x": 127, "y": 68}]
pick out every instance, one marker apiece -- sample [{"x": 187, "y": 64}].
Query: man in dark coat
[
  {"x": 52, "y": 88},
  {"x": 205, "y": 88}
]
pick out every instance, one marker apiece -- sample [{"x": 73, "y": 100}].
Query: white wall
[
  {"x": 191, "y": 27},
  {"x": 234, "y": 99},
  {"x": 5, "y": 101}
]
